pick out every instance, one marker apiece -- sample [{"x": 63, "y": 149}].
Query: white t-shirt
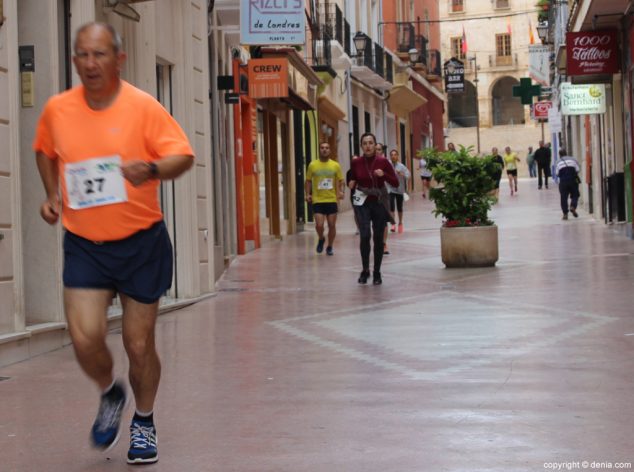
[{"x": 422, "y": 166}]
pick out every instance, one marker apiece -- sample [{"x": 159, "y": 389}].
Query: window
[
  {"x": 456, "y": 48},
  {"x": 499, "y": 4},
  {"x": 503, "y": 49},
  {"x": 456, "y": 6}
]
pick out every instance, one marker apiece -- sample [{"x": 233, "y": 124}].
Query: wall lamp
[{"x": 360, "y": 42}]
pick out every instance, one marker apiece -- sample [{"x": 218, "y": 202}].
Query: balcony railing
[
  {"x": 389, "y": 69},
  {"x": 333, "y": 24},
  {"x": 421, "y": 45},
  {"x": 322, "y": 53},
  {"x": 434, "y": 66},
  {"x": 406, "y": 36},
  {"x": 379, "y": 55}
]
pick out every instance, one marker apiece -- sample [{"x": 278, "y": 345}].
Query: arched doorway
[
  {"x": 507, "y": 109},
  {"x": 462, "y": 107}
]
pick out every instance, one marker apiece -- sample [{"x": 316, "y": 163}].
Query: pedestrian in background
[
  {"x": 397, "y": 194},
  {"x": 425, "y": 176},
  {"x": 510, "y": 161},
  {"x": 542, "y": 157},
  {"x": 530, "y": 162},
  {"x": 568, "y": 173},
  {"x": 497, "y": 177}
]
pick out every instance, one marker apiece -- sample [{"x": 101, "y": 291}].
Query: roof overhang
[
  {"x": 598, "y": 14},
  {"x": 402, "y": 100}
]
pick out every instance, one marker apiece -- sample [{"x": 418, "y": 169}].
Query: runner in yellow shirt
[
  {"x": 510, "y": 161},
  {"x": 323, "y": 188}
]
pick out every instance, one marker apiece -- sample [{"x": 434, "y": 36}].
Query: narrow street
[{"x": 295, "y": 367}]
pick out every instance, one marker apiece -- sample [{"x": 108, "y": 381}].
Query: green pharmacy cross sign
[{"x": 526, "y": 91}]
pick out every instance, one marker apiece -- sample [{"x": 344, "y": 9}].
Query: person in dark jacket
[
  {"x": 542, "y": 157},
  {"x": 370, "y": 172},
  {"x": 498, "y": 174},
  {"x": 568, "y": 172}
]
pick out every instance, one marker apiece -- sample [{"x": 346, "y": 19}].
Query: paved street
[{"x": 294, "y": 367}]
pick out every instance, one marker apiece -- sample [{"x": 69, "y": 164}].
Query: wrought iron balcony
[
  {"x": 369, "y": 68},
  {"x": 335, "y": 28},
  {"x": 406, "y": 37},
  {"x": 434, "y": 64}
]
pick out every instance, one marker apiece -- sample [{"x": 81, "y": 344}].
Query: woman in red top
[{"x": 370, "y": 200}]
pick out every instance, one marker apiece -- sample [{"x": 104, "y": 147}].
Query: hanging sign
[
  {"x": 582, "y": 99},
  {"x": 454, "y": 76},
  {"x": 264, "y": 22},
  {"x": 592, "y": 52},
  {"x": 540, "y": 109},
  {"x": 539, "y": 64},
  {"x": 268, "y": 78}
]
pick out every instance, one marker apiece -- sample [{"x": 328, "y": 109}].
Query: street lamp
[
  {"x": 360, "y": 42},
  {"x": 475, "y": 81},
  {"x": 542, "y": 31}
]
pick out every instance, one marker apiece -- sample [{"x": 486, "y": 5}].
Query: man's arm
[
  {"x": 308, "y": 190},
  {"x": 49, "y": 210},
  {"x": 167, "y": 168}
]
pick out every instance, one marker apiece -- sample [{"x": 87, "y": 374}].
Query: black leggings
[{"x": 371, "y": 212}]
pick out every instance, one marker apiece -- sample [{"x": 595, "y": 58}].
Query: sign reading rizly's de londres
[
  {"x": 265, "y": 22},
  {"x": 582, "y": 99}
]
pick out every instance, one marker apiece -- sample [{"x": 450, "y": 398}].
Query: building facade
[{"x": 492, "y": 39}]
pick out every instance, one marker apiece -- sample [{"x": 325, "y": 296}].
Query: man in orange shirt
[{"x": 106, "y": 145}]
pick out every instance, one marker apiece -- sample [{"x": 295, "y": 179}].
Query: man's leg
[
  {"x": 540, "y": 170},
  {"x": 139, "y": 320},
  {"x": 332, "y": 228},
  {"x": 86, "y": 313},
  {"x": 320, "y": 218}
]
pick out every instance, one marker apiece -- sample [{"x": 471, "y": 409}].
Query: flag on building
[
  {"x": 531, "y": 37},
  {"x": 463, "y": 46},
  {"x": 508, "y": 26}
]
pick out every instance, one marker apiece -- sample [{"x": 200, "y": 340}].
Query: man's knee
[{"x": 138, "y": 349}]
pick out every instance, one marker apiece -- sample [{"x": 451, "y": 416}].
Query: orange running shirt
[{"x": 135, "y": 126}]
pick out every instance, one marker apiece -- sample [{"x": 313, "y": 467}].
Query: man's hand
[
  {"x": 49, "y": 210},
  {"x": 136, "y": 172},
  {"x": 379, "y": 172},
  {"x": 340, "y": 195}
]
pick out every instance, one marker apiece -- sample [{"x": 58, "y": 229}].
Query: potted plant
[
  {"x": 543, "y": 6},
  {"x": 468, "y": 238}
]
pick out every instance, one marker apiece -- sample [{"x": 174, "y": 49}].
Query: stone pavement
[{"x": 294, "y": 367}]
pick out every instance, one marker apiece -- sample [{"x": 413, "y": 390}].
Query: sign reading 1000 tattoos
[
  {"x": 454, "y": 76},
  {"x": 272, "y": 22}
]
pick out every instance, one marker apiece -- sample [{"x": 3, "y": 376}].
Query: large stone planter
[{"x": 473, "y": 246}]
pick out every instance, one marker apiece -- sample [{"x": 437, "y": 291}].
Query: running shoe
[
  {"x": 106, "y": 428},
  {"x": 329, "y": 251},
  {"x": 363, "y": 276},
  {"x": 320, "y": 246},
  {"x": 574, "y": 212},
  {"x": 385, "y": 251},
  {"x": 143, "y": 443},
  {"x": 393, "y": 229},
  {"x": 565, "y": 217},
  {"x": 376, "y": 278}
]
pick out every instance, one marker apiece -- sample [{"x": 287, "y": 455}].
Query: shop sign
[
  {"x": 554, "y": 120},
  {"x": 592, "y": 52},
  {"x": 264, "y": 22},
  {"x": 540, "y": 109},
  {"x": 454, "y": 76},
  {"x": 539, "y": 64},
  {"x": 582, "y": 99},
  {"x": 268, "y": 78}
]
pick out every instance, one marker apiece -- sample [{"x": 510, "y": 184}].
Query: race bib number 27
[{"x": 95, "y": 182}]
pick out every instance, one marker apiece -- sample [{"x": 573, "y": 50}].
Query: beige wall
[{"x": 481, "y": 37}]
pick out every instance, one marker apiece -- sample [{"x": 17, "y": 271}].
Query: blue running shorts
[{"x": 139, "y": 266}]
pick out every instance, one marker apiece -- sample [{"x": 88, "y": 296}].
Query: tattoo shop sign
[
  {"x": 582, "y": 99},
  {"x": 592, "y": 52},
  {"x": 264, "y": 22}
]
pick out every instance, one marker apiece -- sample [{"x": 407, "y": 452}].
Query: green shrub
[{"x": 464, "y": 181}]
